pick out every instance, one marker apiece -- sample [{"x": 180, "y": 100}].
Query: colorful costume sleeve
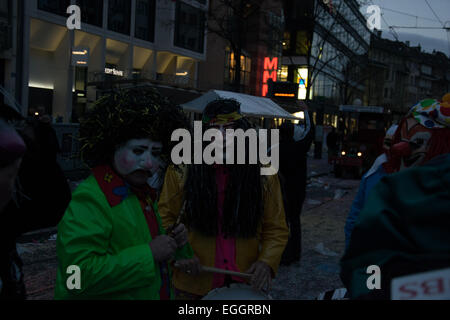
[
  {"x": 357, "y": 205},
  {"x": 365, "y": 187},
  {"x": 171, "y": 198},
  {"x": 169, "y": 205},
  {"x": 275, "y": 233},
  {"x": 83, "y": 240},
  {"x": 404, "y": 223}
]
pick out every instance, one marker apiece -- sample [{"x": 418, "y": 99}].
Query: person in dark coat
[
  {"x": 38, "y": 192},
  {"x": 12, "y": 149},
  {"x": 332, "y": 143},
  {"x": 295, "y": 142}
]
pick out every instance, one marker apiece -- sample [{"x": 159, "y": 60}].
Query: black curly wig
[{"x": 125, "y": 114}]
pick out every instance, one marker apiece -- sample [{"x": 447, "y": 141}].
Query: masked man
[
  {"x": 404, "y": 227},
  {"x": 235, "y": 216},
  {"x": 111, "y": 244}
]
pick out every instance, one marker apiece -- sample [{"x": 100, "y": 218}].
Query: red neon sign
[{"x": 270, "y": 72}]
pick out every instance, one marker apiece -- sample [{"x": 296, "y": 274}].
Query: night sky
[{"x": 429, "y": 39}]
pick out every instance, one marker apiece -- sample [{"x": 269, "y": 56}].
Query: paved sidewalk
[
  {"x": 323, "y": 243},
  {"x": 318, "y": 167}
]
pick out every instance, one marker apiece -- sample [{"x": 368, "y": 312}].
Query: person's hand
[
  {"x": 189, "y": 266},
  {"x": 180, "y": 235},
  {"x": 163, "y": 248},
  {"x": 261, "y": 276}
]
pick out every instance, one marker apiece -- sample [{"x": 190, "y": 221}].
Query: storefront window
[
  {"x": 189, "y": 27},
  {"x": 91, "y": 12},
  {"x": 145, "y": 20},
  {"x": 283, "y": 73},
  {"x": 119, "y": 16},
  {"x": 58, "y": 7}
]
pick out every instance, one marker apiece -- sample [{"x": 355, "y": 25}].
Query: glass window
[
  {"x": 58, "y": 7},
  {"x": 145, "y": 20},
  {"x": 189, "y": 27},
  {"x": 119, "y": 16},
  {"x": 230, "y": 69},
  {"x": 4, "y": 9},
  {"x": 302, "y": 43},
  {"x": 91, "y": 11},
  {"x": 287, "y": 40},
  {"x": 283, "y": 73}
]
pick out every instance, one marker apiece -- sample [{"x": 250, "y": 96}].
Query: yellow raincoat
[{"x": 267, "y": 246}]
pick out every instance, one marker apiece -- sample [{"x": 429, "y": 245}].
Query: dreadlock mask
[
  {"x": 243, "y": 207},
  {"x": 422, "y": 135},
  {"x": 223, "y": 115}
]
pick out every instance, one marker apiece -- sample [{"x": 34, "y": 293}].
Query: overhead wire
[{"x": 443, "y": 25}]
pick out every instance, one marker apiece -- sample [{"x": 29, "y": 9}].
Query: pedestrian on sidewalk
[
  {"x": 332, "y": 144},
  {"x": 112, "y": 230},
  {"x": 295, "y": 143}
]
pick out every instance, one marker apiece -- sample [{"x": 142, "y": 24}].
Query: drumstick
[
  {"x": 177, "y": 223},
  {"x": 227, "y": 272}
]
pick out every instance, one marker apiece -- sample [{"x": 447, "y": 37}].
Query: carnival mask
[
  {"x": 414, "y": 144},
  {"x": 138, "y": 155}
]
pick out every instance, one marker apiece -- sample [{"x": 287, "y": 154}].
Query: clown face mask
[
  {"x": 415, "y": 144},
  {"x": 138, "y": 160}
]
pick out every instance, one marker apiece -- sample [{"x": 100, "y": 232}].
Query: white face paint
[
  {"x": 418, "y": 138},
  {"x": 419, "y": 150},
  {"x": 138, "y": 154}
]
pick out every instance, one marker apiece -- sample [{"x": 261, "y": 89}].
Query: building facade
[
  {"x": 402, "y": 75},
  {"x": 121, "y": 42},
  {"x": 324, "y": 51},
  {"x": 8, "y": 45},
  {"x": 242, "y": 37}
]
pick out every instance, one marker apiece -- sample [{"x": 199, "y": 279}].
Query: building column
[
  {"x": 63, "y": 85},
  {"x": 133, "y": 19},
  {"x": 26, "y": 56},
  {"x": 96, "y": 66},
  {"x": 154, "y": 64},
  {"x": 126, "y": 62}
]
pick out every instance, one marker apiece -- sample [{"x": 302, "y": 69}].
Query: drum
[{"x": 236, "y": 291}]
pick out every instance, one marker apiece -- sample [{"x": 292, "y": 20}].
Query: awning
[{"x": 251, "y": 106}]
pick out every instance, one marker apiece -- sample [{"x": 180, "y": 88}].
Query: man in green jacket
[{"x": 111, "y": 244}]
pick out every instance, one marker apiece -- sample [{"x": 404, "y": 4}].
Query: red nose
[{"x": 401, "y": 149}]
